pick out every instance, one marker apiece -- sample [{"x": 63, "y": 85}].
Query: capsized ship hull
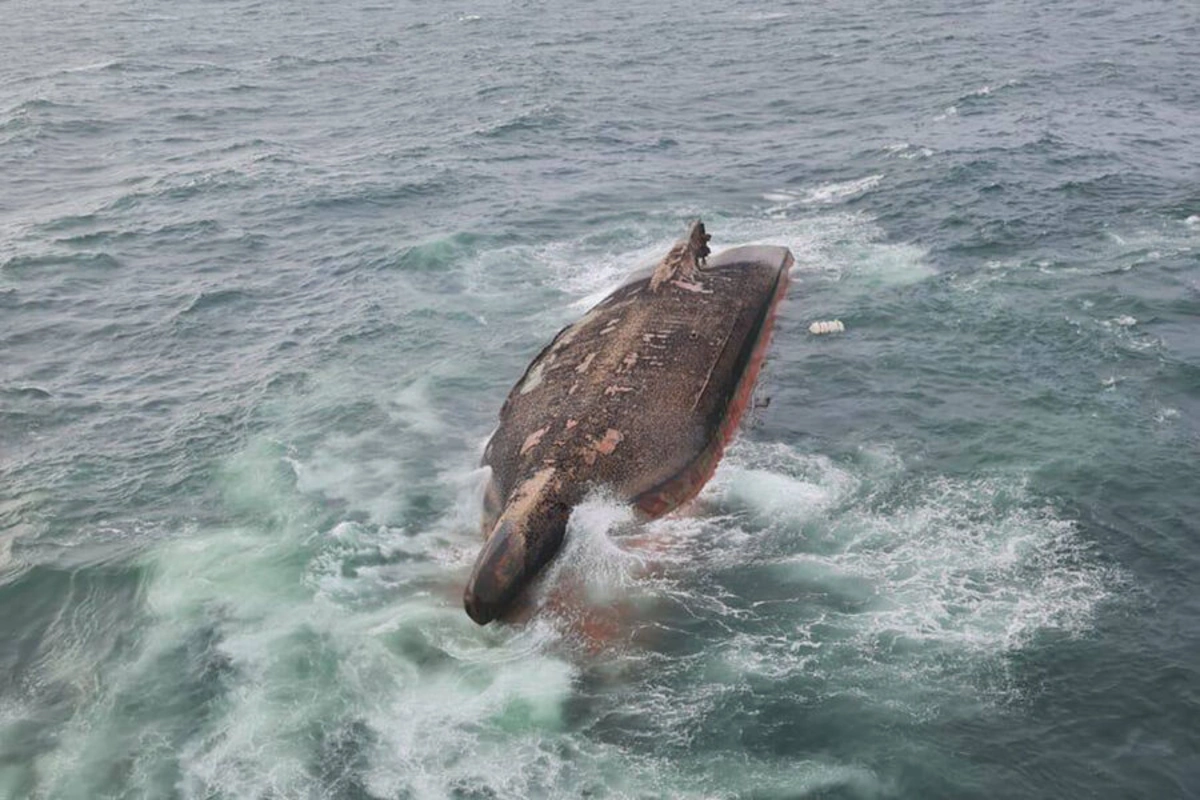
[{"x": 641, "y": 395}]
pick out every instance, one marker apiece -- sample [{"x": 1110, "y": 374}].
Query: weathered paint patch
[
  {"x": 532, "y": 440},
  {"x": 606, "y": 445},
  {"x": 566, "y": 337},
  {"x": 527, "y": 492},
  {"x": 532, "y": 380},
  {"x": 696, "y": 287}
]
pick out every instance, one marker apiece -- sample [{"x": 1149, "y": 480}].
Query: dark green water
[{"x": 267, "y": 272}]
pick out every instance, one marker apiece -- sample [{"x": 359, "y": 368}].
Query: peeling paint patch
[
  {"x": 567, "y": 336},
  {"x": 697, "y": 287},
  {"x": 531, "y": 441},
  {"x": 613, "y": 390},
  {"x": 656, "y": 339},
  {"x": 612, "y": 438},
  {"x": 532, "y": 380},
  {"x": 610, "y": 327},
  {"x": 587, "y": 362},
  {"x": 520, "y": 503}
]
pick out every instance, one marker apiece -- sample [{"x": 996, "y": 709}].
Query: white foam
[
  {"x": 834, "y": 192},
  {"x": 597, "y": 275},
  {"x": 777, "y": 483},
  {"x": 6, "y": 558},
  {"x": 834, "y": 243},
  {"x": 781, "y": 197},
  {"x": 1131, "y": 249},
  {"x": 961, "y": 570},
  {"x": 886, "y": 263},
  {"x": 355, "y": 633},
  {"x": 1164, "y": 414},
  {"x": 773, "y": 495},
  {"x": 767, "y": 16},
  {"x": 757, "y": 488},
  {"x": 310, "y": 648},
  {"x": 594, "y": 564},
  {"x": 1126, "y": 332},
  {"x": 15, "y": 774},
  {"x": 592, "y": 298},
  {"x": 93, "y": 67},
  {"x": 908, "y": 602},
  {"x": 846, "y": 247},
  {"x": 380, "y": 440},
  {"x": 413, "y": 406},
  {"x": 987, "y": 90},
  {"x": 908, "y": 151},
  {"x": 469, "y": 728},
  {"x": 823, "y": 194}
]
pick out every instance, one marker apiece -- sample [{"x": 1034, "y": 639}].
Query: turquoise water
[{"x": 267, "y": 273}]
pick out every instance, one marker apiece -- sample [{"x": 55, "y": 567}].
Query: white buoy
[{"x": 827, "y": 326}]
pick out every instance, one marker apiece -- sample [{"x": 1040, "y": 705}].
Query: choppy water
[{"x": 268, "y": 270}]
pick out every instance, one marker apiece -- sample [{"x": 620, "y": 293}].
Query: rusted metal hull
[{"x": 641, "y": 396}]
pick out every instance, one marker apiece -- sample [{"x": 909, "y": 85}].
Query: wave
[
  {"x": 826, "y": 193},
  {"x": 307, "y": 639},
  {"x": 19, "y": 264},
  {"x": 534, "y": 120},
  {"x": 216, "y": 298}
]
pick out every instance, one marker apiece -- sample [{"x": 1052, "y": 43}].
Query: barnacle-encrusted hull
[{"x": 641, "y": 395}]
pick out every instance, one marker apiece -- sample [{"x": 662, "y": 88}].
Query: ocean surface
[{"x": 268, "y": 270}]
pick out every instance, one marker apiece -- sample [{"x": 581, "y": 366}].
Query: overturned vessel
[{"x": 641, "y": 396}]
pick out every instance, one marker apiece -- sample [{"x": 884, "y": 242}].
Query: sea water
[{"x": 267, "y": 271}]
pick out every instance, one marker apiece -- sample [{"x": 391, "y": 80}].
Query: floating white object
[{"x": 827, "y": 326}]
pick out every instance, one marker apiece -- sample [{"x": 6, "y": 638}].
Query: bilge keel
[{"x": 641, "y": 396}]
